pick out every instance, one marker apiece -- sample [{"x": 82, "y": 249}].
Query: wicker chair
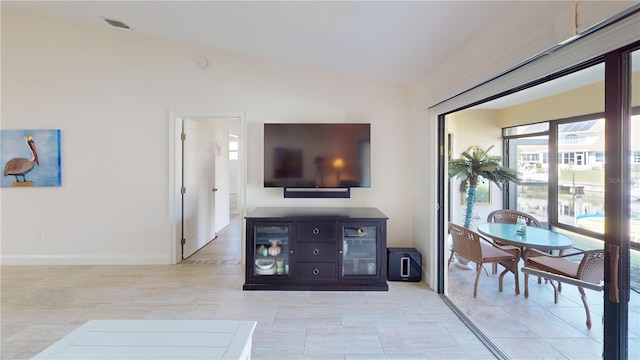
[
  {"x": 507, "y": 216},
  {"x": 469, "y": 244},
  {"x": 589, "y": 272}
]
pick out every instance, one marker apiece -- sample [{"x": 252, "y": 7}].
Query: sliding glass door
[{"x": 577, "y": 150}]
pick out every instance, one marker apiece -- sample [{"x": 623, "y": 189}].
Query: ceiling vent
[{"x": 116, "y": 23}]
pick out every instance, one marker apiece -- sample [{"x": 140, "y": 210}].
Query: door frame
[{"x": 175, "y": 170}]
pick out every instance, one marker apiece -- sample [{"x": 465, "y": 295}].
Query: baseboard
[{"x": 159, "y": 259}]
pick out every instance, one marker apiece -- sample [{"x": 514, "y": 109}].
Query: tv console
[{"x": 316, "y": 248}]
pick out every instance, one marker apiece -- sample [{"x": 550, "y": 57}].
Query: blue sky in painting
[{"x": 13, "y": 145}]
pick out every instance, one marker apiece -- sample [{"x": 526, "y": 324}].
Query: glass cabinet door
[
  {"x": 271, "y": 250},
  {"x": 359, "y": 255}
]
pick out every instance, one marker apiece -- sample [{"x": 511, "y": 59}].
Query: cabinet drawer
[
  {"x": 310, "y": 231},
  {"x": 315, "y": 271},
  {"x": 316, "y": 251}
]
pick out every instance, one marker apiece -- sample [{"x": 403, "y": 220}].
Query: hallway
[{"x": 225, "y": 249}]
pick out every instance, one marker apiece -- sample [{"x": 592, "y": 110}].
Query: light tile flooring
[
  {"x": 41, "y": 304},
  {"x": 536, "y": 327}
]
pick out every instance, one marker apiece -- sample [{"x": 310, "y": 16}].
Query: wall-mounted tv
[{"x": 317, "y": 155}]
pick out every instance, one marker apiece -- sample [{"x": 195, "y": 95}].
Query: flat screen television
[{"x": 317, "y": 155}]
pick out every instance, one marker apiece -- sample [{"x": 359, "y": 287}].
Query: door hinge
[
  {"x": 183, "y": 136},
  {"x": 183, "y": 190},
  {"x": 183, "y": 241}
]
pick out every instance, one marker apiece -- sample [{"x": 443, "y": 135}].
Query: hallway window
[{"x": 233, "y": 147}]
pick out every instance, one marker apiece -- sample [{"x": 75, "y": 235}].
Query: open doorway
[{"x": 219, "y": 125}]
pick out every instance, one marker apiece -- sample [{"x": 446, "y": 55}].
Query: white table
[{"x": 155, "y": 339}]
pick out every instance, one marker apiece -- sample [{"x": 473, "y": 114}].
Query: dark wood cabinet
[{"x": 316, "y": 249}]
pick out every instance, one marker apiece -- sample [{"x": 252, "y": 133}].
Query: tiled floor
[
  {"x": 536, "y": 327},
  {"x": 40, "y": 304}
]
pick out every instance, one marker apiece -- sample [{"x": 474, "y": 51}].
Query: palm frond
[{"x": 479, "y": 163}]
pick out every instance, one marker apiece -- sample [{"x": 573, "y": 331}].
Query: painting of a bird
[{"x": 21, "y": 166}]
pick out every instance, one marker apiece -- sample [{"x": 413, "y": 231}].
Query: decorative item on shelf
[
  {"x": 345, "y": 247},
  {"x": 371, "y": 268},
  {"x": 280, "y": 266},
  {"x": 265, "y": 267},
  {"x": 274, "y": 249},
  {"x": 261, "y": 250},
  {"x": 353, "y": 232},
  {"x": 264, "y": 264}
]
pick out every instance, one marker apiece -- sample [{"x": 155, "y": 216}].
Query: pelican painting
[
  {"x": 21, "y": 166},
  {"x": 26, "y": 166}
]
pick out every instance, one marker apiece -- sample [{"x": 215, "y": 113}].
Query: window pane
[
  {"x": 581, "y": 174},
  {"x": 526, "y": 129},
  {"x": 533, "y": 170}
]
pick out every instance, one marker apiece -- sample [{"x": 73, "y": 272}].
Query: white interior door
[{"x": 198, "y": 179}]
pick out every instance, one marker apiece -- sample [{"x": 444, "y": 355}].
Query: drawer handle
[
  {"x": 316, "y": 271},
  {"x": 316, "y": 231},
  {"x": 316, "y": 251}
]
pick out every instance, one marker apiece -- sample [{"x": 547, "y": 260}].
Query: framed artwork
[
  {"x": 30, "y": 158},
  {"x": 483, "y": 193}
]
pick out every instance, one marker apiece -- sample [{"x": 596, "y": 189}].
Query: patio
[{"x": 537, "y": 328}]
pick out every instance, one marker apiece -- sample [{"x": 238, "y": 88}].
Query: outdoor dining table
[{"x": 533, "y": 238}]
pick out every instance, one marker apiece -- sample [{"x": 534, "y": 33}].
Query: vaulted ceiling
[{"x": 395, "y": 41}]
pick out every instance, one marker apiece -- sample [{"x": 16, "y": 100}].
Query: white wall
[{"x": 110, "y": 92}]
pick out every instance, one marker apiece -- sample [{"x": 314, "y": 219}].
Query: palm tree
[{"x": 473, "y": 166}]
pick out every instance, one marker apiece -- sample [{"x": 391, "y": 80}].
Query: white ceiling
[{"x": 395, "y": 41}]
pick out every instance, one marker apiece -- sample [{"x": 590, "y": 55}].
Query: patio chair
[
  {"x": 475, "y": 248},
  {"x": 507, "y": 216},
  {"x": 588, "y": 273}
]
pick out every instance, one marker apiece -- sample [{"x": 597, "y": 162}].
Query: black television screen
[{"x": 317, "y": 155}]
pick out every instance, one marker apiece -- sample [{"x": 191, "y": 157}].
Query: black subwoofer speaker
[{"x": 404, "y": 264}]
